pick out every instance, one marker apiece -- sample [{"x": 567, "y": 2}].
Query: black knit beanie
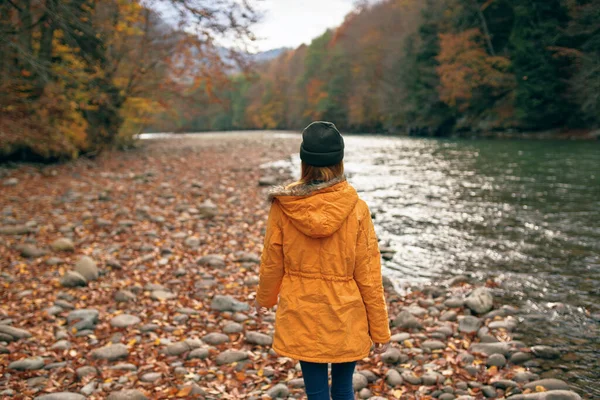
[{"x": 322, "y": 144}]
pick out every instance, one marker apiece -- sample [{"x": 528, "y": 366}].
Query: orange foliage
[{"x": 466, "y": 67}]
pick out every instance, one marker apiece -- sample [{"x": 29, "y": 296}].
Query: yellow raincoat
[{"x": 322, "y": 258}]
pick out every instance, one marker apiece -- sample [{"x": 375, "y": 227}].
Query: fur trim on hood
[{"x": 302, "y": 189}]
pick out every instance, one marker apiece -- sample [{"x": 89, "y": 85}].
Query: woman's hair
[{"x": 311, "y": 173}]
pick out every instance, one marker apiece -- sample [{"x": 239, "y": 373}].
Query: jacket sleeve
[
  {"x": 271, "y": 261},
  {"x": 367, "y": 274}
]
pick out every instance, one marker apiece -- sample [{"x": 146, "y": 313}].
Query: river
[{"x": 523, "y": 213}]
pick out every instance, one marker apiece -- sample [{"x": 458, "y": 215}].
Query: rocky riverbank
[{"x": 132, "y": 276}]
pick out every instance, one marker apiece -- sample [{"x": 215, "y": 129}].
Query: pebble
[
  {"x": 87, "y": 268},
  {"x": 124, "y": 320},
  {"x": 178, "y": 348},
  {"x": 520, "y": 357},
  {"x": 410, "y": 377},
  {"x": 546, "y": 352},
  {"x": 162, "y": 295},
  {"x": 73, "y": 279},
  {"x": 371, "y": 377},
  {"x": 111, "y": 352},
  {"x": 393, "y": 378},
  {"x": 296, "y": 383},
  {"x": 432, "y": 378},
  {"x": 448, "y": 316},
  {"x": 400, "y": 337},
  {"x": 14, "y": 333},
  {"x": 201, "y": 353},
  {"x": 130, "y": 394},
  {"x": 489, "y": 392},
  {"x": 469, "y": 324},
  {"x": 55, "y": 365},
  {"x": 63, "y": 244},
  {"x": 233, "y": 327},
  {"x": 227, "y": 303},
  {"x": 480, "y": 300},
  {"x": 406, "y": 320},
  {"x": 550, "y": 395},
  {"x": 124, "y": 296},
  {"x": 454, "y": 302},
  {"x": 215, "y": 338},
  {"x": 391, "y": 356},
  {"x": 85, "y": 371},
  {"x": 124, "y": 367},
  {"x": 259, "y": 338},
  {"x": 359, "y": 382},
  {"x": 83, "y": 314},
  {"x": 548, "y": 384},
  {"x": 446, "y": 396},
  {"x": 61, "y": 396},
  {"x": 433, "y": 345},
  {"x": 88, "y": 389},
  {"x": 151, "y": 377},
  {"x": 30, "y": 251},
  {"x": 490, "y": 348},
  {"x": 504, "y": 384},
  {"x": 279, "y": 390},
  {"x": 230, "y": 356},
  {"x": 27, "y": 364},
  {"x": 212, "y": 260},
  {"x": 497, "y": 360},
  {"x": 10, "y": 182}
]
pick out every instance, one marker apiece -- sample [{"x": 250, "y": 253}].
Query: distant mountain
[{"x": 269, "y": 54}]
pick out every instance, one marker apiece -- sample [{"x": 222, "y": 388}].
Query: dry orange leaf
[{"x": 185, "y": 391}]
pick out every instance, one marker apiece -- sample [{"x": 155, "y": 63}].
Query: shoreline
[{"x": 135, "y": 272}]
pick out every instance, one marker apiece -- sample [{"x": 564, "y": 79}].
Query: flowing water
[{"x": 524, "y": 213}]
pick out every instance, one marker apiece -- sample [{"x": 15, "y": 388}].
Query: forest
[
  {"x": 79, "y": 76},
  {"x": 439, "y": 66}
]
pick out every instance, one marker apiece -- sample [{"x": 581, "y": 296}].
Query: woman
[{"x": 322, "y": 258}]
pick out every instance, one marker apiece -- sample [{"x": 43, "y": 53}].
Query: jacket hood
[{"x": 317, "y": 210}]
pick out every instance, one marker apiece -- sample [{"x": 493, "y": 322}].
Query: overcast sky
[{"x": 289, "y": 23}]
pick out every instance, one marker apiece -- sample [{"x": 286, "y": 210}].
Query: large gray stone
[
  {"x": 87, "y": 267},
  {"x": 480, "y": 300}
]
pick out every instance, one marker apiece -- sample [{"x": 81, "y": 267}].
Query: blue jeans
[{"x": 317, "y": 384}]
